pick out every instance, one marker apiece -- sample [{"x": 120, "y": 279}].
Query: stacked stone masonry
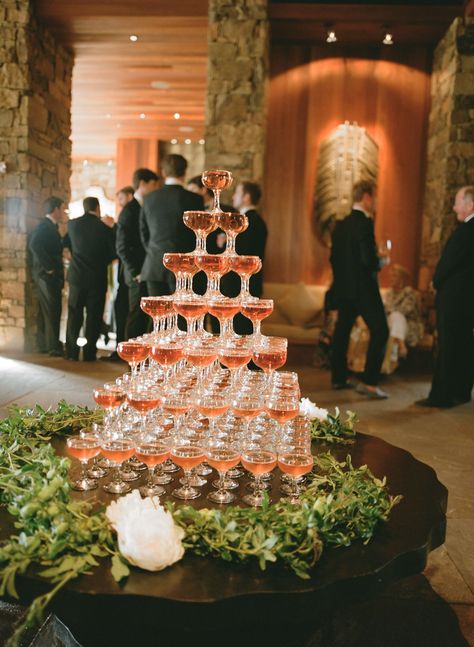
[
  {"x": 35, "y": 128},
  {"x": 450, "y": 153},
  {"x": 237, "y": 80}
]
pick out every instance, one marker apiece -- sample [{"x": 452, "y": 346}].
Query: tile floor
[{"x": 442, "y": 438}]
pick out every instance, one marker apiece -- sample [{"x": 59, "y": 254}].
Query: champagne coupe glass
[
  {"x": 158, "y": 308},
  {"x": 184, "y": 268},
  {"x": 247, "y": 407},
  {"x": 110, "y": 399},
  {"x": 282, "y": 409},
  {"x": 224, "y": 309},
  {"x": 217, "y": 180},
  {"x": 152, "y": 452},
  {"x": 257, "y": 461},
  {"x": 191, "y": 310},
  {"x": 187, "y": 456},
  {"x": 233, "y": 224},
  {"x": 133, "y": 352},
  {"x": 222, "y": 456},
  {"x": 295, "y": 463},
  {"x": 256, "y": 311},
  {"x": 117, "y": 451},
  {"x": 144, "y": 400},
  {"x": 202, "y": 223},
  {"x": 212, "y": 406},
  {"x": 201, "y": 356},
  {"x": 177, "y": 404},
  {"x": 83, "y": 448},
  {"x": 95, "y": 471},
  {"x": 270, "y": 353},
  {"x": 234, "y": 356},
  {"x": 215, "y": 266},
  {"x": 167, "y": 354},
  {"x": 245, "y": 266}
]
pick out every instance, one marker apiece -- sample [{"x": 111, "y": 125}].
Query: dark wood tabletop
[{"x": 198, "y": 594}]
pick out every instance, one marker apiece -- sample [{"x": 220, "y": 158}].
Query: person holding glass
[{"x": 355, "y": 263}]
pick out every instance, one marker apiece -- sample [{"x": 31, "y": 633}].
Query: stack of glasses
[{"x": 190, "y": 400}]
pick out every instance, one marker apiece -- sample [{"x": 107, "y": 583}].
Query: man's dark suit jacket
[
  {"x": 354, "y": 259},
  {"x": 454, "y": 275},
  {"x": 250, "y": 242},
  {"x": 92, "y": 248},
  {"x": 46, "y": 247},
  {"x": 128, "y": 242},
  {"x": 162, "y": 228}
]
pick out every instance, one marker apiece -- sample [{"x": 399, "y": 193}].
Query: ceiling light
[
  {"x": 177, "y": 115},
  {"x": 133, "y": 38},
  {"x": 187, "y": 141},
  {"x": 110, "y": 163},
  {"x": 388, "y": 38},
  {"x": 108, "y": 115},
  {"x": 202, "y": 141},
  {"x": 186, "y": 129},
  {"x": 174, "y": 141},
  {"x": 160, "y": 85},
  {"x": 331, "y": 37},
  {"x": 85, "y": 163},
  {"x": 142, "y": 115}
]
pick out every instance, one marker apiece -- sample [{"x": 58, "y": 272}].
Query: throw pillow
[{"x": 298, "y": 305}]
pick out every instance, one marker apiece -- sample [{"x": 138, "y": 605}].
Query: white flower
[
  {"x": 147, "y": 534},
  {"x": 309, "y": 409}
]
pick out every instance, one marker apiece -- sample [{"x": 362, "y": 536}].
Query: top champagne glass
[
  {"x": 202, "y": 223},
  {"x": 217, "y": 180}
]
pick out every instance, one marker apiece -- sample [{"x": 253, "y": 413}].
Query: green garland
[
  {"x": 66, "y": 538},
  {"x": 334, "y": 429}
]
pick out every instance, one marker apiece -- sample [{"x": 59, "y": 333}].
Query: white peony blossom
[
  {"x": 309, "y": 409},
  {"x": 147, "y": 534}
]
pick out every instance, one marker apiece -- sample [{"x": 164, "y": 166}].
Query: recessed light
[
  {"x": 108, "y": 115},
  {"x": 177, "y": 115},
  {"x": 133, "y": 38},
  {"x": 187, "y": 141},
  {"x": 110, "y": 162},
  {"x": 331, "y": 37},
  {"x": 388, "y": 39},
  {"x": 160, "y": 85},
  {"x": 186, "y": 129},
  {"x": 85, "y": 163},
  {"x": 142, "y": 115},
  {"x": 174, "y": 141},
  {"x": 202, "y": 141}
]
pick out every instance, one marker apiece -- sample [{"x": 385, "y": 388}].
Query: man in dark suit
[
  {"x": 355, "y": 264},
  {"x": 250, "y": 242},
  {"x": 454, "y": 283},
  {"x": 131, "y": 251},
  {"x": 161, "y": 225},
  {"x": 92, "y": 249},
  {"x": 46, "y": 248}
]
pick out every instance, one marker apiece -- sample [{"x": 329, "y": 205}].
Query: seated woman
[{"x": 403, "y": 317}]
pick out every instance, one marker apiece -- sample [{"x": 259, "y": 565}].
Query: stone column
[
  {"x": 450, "y": 163},
  {"x": 236, "y": 93},
  {"x": 35, "y": 129}
]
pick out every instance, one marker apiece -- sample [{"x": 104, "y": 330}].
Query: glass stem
[
  {"x": 244, "y": 287},
  {"x": 217, "y": 199}
]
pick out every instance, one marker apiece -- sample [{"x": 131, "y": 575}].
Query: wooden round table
[{"x": 207, "y": 601}]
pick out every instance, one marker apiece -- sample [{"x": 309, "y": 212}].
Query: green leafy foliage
[
  {"x": 334, "y": 430},
  {"x": 63, "y": 539}
]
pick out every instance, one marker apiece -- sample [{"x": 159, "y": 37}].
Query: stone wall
[
  {"x": 450, "y": 156},
  {"x": 237, "y": 79},
  {"x": 35, "y": 128}
]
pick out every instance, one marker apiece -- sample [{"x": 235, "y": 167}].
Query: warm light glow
[
  {"x": 388, "y": 39},
  {"x": 331, "y": 37},
  {"x": 142, "y": 115},
  {"x": 177, "y": 115},
  {"x": 85, "y": 163},
  {"x": 202, "y": 141},
  {"x": 110, "y": 162},
  {"x": 187, "y": 141},
  {"x": 108, "y": 115},
  {"x": 133, "y": 38},
  {"x": 174, "y": 141}
]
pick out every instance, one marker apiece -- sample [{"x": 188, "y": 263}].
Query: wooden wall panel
[
  {"x": 309, "y": 95},
  {"x": 133, "y": 154}
]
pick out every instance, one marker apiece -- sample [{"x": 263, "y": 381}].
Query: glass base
[
  {"x": 221, "y": 496},
  {"x": 263, "y": 485},
  {"x": 82, "y": 485},
  {"x": 136, "y": 465},
  {"x": 295, "y": 500},
  {"x": 151, "y": 490},
  {"x": 129, "y": 475},
  {"x": 203, "y": 470},
  {"x": 162, "y": 479},
  {"x": 117, "y": 487},
  {"x": 186, "y": 493},
  {"x": 170, "y": 467},
  {"x": 96, "y": 472},
  {"x": 105, "y": 463},
  {"x": 229, "y": 484},
  {"x": 235, "y": 473},
  {"x": 288, "y": 488},
  {"x": 254, "y": 500},
  {"x": 194, "y": 480}
]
